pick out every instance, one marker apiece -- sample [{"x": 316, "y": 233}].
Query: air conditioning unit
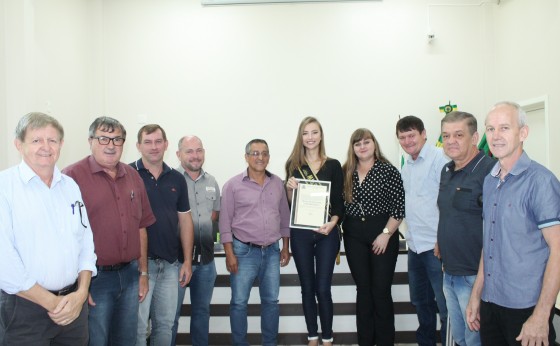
[{"x": 254, "y": 2}]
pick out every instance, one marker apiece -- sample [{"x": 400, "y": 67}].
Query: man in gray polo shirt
[
  {"x": 460, "y": 218},
  {"x": 204, "y": 199}
]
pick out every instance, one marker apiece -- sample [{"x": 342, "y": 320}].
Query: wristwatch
[
  {"x": 144, "y": 274},
  {"x": 386, "y": 231}
]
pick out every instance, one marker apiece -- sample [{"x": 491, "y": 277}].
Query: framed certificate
[{"x": 310, "y": 204}]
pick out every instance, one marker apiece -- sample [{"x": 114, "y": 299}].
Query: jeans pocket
[
  {"x": 469, "y": 280},
  {"x": 240, "y": 249}
]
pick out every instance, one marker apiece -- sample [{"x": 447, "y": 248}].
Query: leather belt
[
  {"x": 252, "y": 244},
  {"x": 66, "y": 290},
  {"x": 112, "y": 268}
]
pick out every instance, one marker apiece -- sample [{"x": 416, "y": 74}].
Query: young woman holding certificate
[
  {"x": 315, "y": 250},
  {"x": 374, "y": 200}
]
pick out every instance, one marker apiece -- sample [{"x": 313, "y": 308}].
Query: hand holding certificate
[{"x": 310, "y": 204}]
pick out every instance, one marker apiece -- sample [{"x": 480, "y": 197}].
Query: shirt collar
[
  {"x": 96, "y": 167},
  {"x": 181, "y": 170},
  {"x": 422, "y": 153},
  {"x": 139, "y": 165},
  {"x": 519, "y": 167},
  {"x": 471, "y": 166},
  {"x": 26, "y": 174},
  {"x": 246, "y": 174}
]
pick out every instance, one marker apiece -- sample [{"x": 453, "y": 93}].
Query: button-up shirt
[
  {"x": 117, "y": 209},
  {"x": 204, "y": 198},
  {"x": 421, "y": 187},
  {"x": 254, "y": 213},
  {"x": 45, "y": 235},
  {"x": 515, "y": 211}
]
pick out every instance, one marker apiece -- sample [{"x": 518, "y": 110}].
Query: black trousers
[
  {"x": 373, "y": 275},
  {"x": 25, "y": 323},
  {"x": 500, "y": 325}
]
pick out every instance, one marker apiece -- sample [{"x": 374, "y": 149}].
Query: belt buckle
[{"x": 66, "y": 290}]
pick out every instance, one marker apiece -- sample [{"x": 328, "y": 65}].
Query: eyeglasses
[
  {"x": 79, "y": 206},
  {"x": 256, "y": 154},
  {"x": 117, "y": 141}
]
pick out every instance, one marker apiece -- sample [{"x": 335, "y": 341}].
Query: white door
[{"x": 537, "y": 143}]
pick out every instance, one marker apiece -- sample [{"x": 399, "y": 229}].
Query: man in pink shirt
[{"x": 254, "y": 216}]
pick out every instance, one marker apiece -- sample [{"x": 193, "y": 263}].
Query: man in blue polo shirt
[
  {"x": 517, "y": 283},
  {"x": 168, "y": 195}
]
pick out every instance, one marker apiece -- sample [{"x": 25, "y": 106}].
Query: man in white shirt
[{"x": 46, "y": 243}]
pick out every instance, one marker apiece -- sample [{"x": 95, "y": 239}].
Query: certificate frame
[{"x": 310, "y": 204}]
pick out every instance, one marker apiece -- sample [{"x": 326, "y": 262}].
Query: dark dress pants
[
  {"x": 25, "y": 323},
  {"x": 373, "y": 275},
  {"x": 499, "y": 326}
]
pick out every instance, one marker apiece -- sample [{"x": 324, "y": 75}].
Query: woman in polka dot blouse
[{"x": 374, "y": 200}]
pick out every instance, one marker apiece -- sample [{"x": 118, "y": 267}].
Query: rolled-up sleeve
[{"x": 87, "y": 257}]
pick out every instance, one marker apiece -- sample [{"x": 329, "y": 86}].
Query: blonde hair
[{"x": 297, "y": 157}]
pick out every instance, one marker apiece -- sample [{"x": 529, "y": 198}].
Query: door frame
[{"x": 540, "y": 102}]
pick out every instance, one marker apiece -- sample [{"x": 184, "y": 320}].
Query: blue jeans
[
  {"x": 457, "y": 291},
  {"x": 315, "y": 255},
  {"x": 114, "y": 318},
  {"x": 253, "y": 262},
  {"x": 201, "y": 289},
  {"x": 425, "y": 279},
  {"x": 160, "y": 303}
]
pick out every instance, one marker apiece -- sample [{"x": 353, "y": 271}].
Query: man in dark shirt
[
  {"x": 167, "y": 192},
  {"x": 460, "y": 218},
  {"x": 119, "y": 212}
]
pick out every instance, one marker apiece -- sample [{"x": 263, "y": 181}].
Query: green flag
[
  {"x": 448, "y": 108},
  {"x": 483, "y": 145}
]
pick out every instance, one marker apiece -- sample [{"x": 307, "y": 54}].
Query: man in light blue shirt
[
  {"x": 46, "y": 243},
  {"x": 421, "y": 176},
  {"x": 517, "y": 279}
]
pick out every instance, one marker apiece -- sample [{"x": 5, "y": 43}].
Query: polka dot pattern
[{"x": 381, "y": 192}]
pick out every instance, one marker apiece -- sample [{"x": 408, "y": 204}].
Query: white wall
[
  {"x": 525, "y": 60},
  {"x": 233, "y": 73},
  {"x": 48, "y": 63}
]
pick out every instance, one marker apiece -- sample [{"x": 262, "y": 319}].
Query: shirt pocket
[
  {"x": 136, "y": 209},
  {"x": 210, "y": 199},
  {"x": 465, "y": 199}
]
